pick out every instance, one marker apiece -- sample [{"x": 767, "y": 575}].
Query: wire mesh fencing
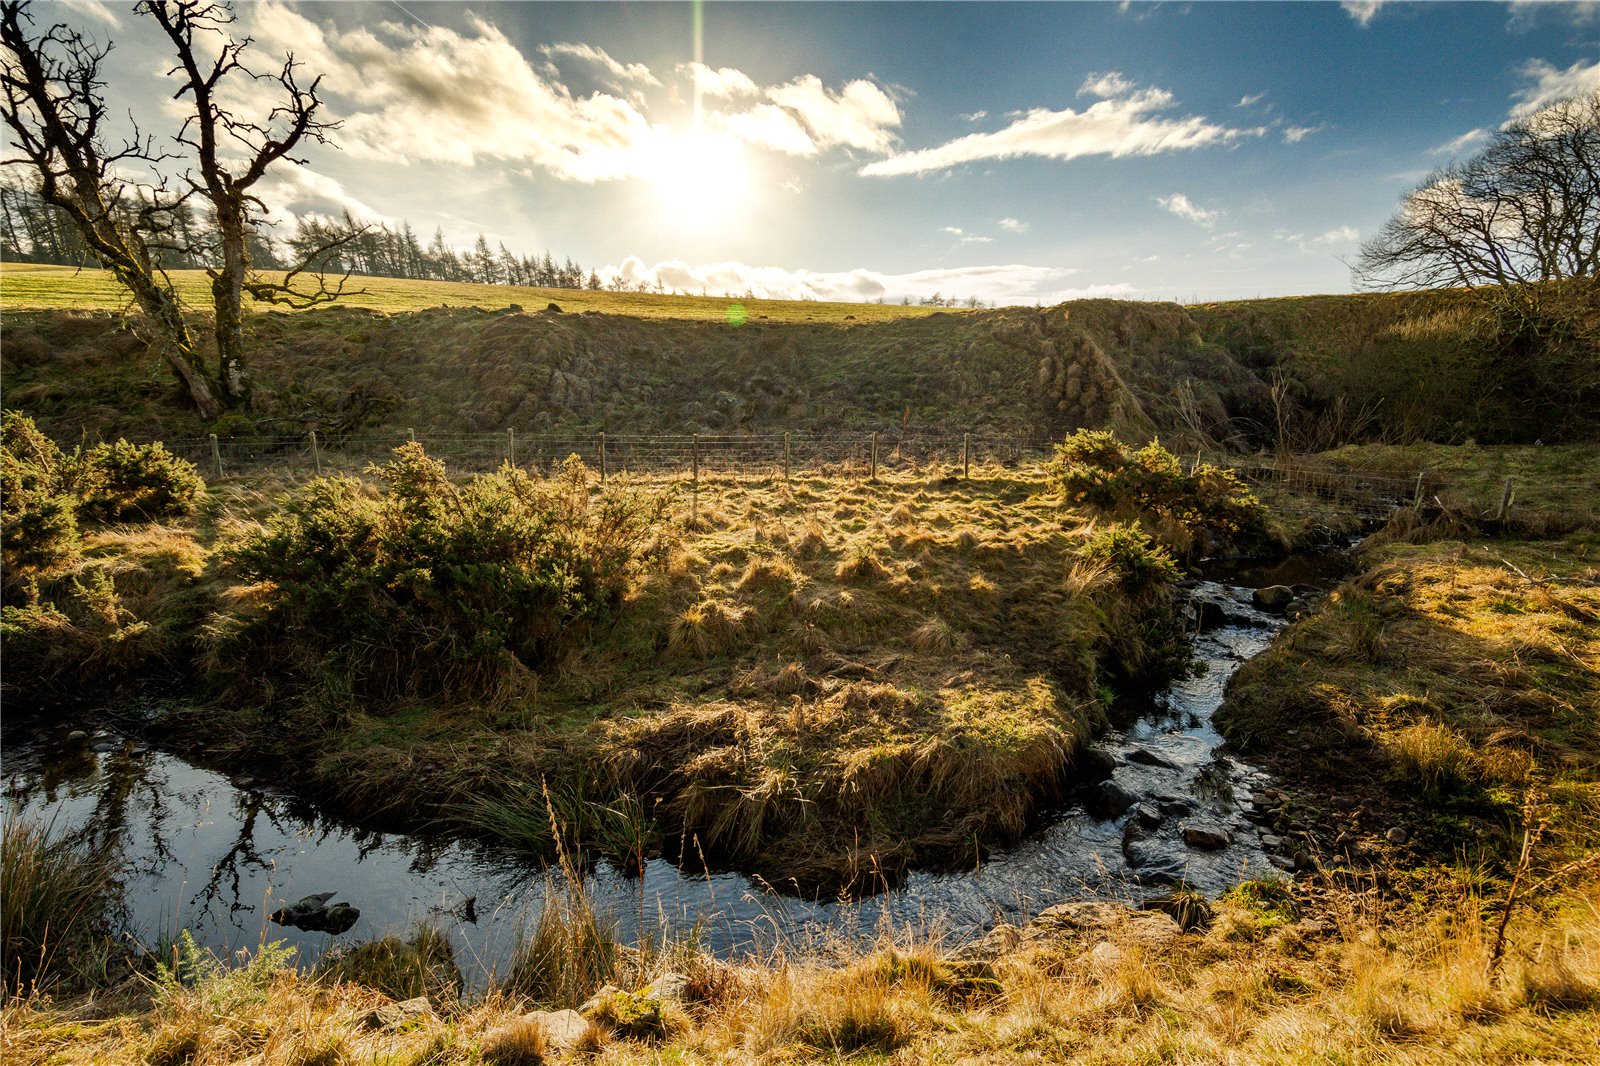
[{"x": 860, "y": 454}]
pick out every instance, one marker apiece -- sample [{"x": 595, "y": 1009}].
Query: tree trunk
[{"x": 227, "y": 297}]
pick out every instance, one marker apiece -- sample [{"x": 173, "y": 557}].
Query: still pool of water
[{"x": 216, "y": 855}]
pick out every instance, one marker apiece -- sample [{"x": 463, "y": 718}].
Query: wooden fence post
[
  {"x": 1416, "y": 497},
  {"x": 511, "y": 446},
  {"x": 412, "y": 433},
  {"x": 1506, "y": 496},
  {"x": 786, "y": 456},
  {"x": 966, "y": 456},
  {"x": 694, "y": 477},
  {"x": 873, "y": 473},
  {"x": 602, "y": 458},
  {"x": 316, "y": 454},
  {"x": 216, "y": 454}
]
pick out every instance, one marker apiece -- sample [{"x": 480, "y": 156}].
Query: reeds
[{"x": 57, "y": 899}]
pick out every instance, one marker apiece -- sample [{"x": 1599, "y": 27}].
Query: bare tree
[
  {"x": 1525, "y": 209},
  {"x": 55, "y": 106}
]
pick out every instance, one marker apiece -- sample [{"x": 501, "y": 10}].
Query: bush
[
  {"x": 1096, "y": 470},
  {"x": 129, "y": 482},
  {"x": 38, "y": 518},
  {"x": 1141, "y": 567},
  {"x": 430, "y": 583}
]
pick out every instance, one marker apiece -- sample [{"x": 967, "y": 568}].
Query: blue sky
[{"x": 1019, "y": 153}]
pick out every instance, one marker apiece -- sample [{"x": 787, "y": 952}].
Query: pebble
[{"x": 1396, "y": 835}]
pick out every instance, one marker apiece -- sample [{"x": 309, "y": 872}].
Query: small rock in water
[
  {"x": 1150, "y": 758},
  {"x": 77, "y": 735},
  {"x": 1147, "y": 816},
  {"x": 1396, "y": 835},
  {"x": 1205, "y": 835},
  {"x": 103, "y": 747},
  {"x": 1107, "y": 799},
  {"x": 1095, "y": 764},
  {"x": 1273, "y": 598}
]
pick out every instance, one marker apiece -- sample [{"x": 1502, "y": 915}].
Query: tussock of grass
[{"x": 56, "y": 899}]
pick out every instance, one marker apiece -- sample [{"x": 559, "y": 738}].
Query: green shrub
[
  {"x": 1209, "y": 503},
  {"x": 431, "y": 583},
  {"x": 38, "y": 517},
  {"x": 129, "y": 482},
  {"x": 1142, "y": 567}
]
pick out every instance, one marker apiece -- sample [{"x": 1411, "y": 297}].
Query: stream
[{"x": 216, "y": 855}]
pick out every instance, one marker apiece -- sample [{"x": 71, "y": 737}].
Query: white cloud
[
  {"x": 1551, "y": 84},
  {"x": 1296, "y": 134},
  {"x": 861, "y": 115},
  {"x": 1338, "y": 235},
  {"x": 1106, "y": 85},
  {"x": 95, "y": 10},
  {"x": 1183, "y": 207},
  {"x": 1118, "y": 126},
  {"x": 410, "y": 93},
  {"x": 964, "y": 237},
  {"x": 1254, "y": 98},
  {"x": 1012, "y": 225},
  {"x": 1363, "y": 11},
  {"x": 976, "y": 116},
  {"x": 769, "y": 126},
  {"x": 723, "y": 83},
  {"x": 624, "y": 73},
  {"x": 1004, "y": 284},
  {"x": 1466, "y": 140},
  {"x": 293, "y": 191}
]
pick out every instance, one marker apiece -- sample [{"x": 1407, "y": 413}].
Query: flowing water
[{"x": 216, "y": 855}]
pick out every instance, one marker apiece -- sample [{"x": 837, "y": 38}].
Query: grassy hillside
[{"x": 1305, "y": 373}]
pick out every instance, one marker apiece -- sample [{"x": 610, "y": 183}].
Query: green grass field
[{"x": 35, "y": 287}]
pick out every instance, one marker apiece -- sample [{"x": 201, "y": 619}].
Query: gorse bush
[
  {"x": 129, "y": 482},
  {"x": 49, "y": 493},
  {"x": 1140, "y": 566},
  {"x": 1209, "y": 504},
  {"x": 430, "y": 583}
]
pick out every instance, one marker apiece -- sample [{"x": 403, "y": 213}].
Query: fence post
[
  {"x": 786, "y": 456},
  {"x": 1416, "y": 497},
  {"x": 602, "y": 458},
  {"x": 412, "y": 433},
  {"x": 511, "y": 446},
  {"x": 966, "y": 455},
  {"x": 873, "y": 474},
  {"x": 216, "y": 454},
  {"x": 316, "y": 454},
  {"x": 1506, "y": 496},
  {"x": 694, "y": 477}
]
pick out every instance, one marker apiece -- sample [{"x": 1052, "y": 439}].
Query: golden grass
[
  {"x": 40, "y": 287},
  {"x": 1344, "y": 983}
]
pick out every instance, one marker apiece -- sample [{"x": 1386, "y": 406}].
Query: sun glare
[{"x": 701, "y": 179}]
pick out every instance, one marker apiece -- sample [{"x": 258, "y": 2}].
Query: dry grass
[{"x": 1345, "y": 984}]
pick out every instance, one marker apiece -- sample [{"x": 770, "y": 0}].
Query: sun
[{"x": 701, "y": 179}]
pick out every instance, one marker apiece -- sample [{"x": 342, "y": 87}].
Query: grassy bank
[{"x": 1305, "y": 374}]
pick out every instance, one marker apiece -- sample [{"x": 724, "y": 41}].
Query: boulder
[
  {"x": 1155, "y": 862},
  {"x": 1273, "y": 598},
  {"x": 1107, "y": 799},
  {"x": 1094, "y": 764},
  {"x": 1205, "y": 835},
  {"x": 1146, "y": 757},
  {"x": 1146, "y": 815}
]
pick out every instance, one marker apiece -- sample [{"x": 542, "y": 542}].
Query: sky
[{"x": 1016, "y": 153}]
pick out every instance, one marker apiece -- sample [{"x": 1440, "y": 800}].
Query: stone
[
  {"x": 1302, "y": 860},
  {"x": 1263, "y": 801},
  {"x": 1274, "y": 598},
  {"x": 77, "y": 735},
  {"x": 1208, "y": 614},
  {"x": 668, "y": 988},
  {"x": 1205, "y": 835},
  {"x": 593, "y": 1002},
  {"x": 1094, "y": 764},
  {"x": 1107, "y": 799},
  {"x": 1173, "y": 805},
  {"x": 1155, "y": 862},
  {"x": 1146, "y": 815},
  {"x": 563, "y": 1029},
  {"x": 552, "y": 309},
  {"x": 1104, "y": 956},
  {"x": 1271, "y": 842},
  {"x": 104, "y": 747},
  {"x": 1396, "y": 835},
  {"x": 1146, "y": 757},
  {"x": 1281, "y": 862},
  {"x": 395, "y": 1015}
]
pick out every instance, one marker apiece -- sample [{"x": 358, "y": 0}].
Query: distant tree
[{"x": 1524, "y": 209}]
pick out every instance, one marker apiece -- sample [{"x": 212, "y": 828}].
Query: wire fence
[{"x": 1299, "y": 484}]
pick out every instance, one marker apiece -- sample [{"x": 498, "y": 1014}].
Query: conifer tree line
[{"x": 32, "y": 231}]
